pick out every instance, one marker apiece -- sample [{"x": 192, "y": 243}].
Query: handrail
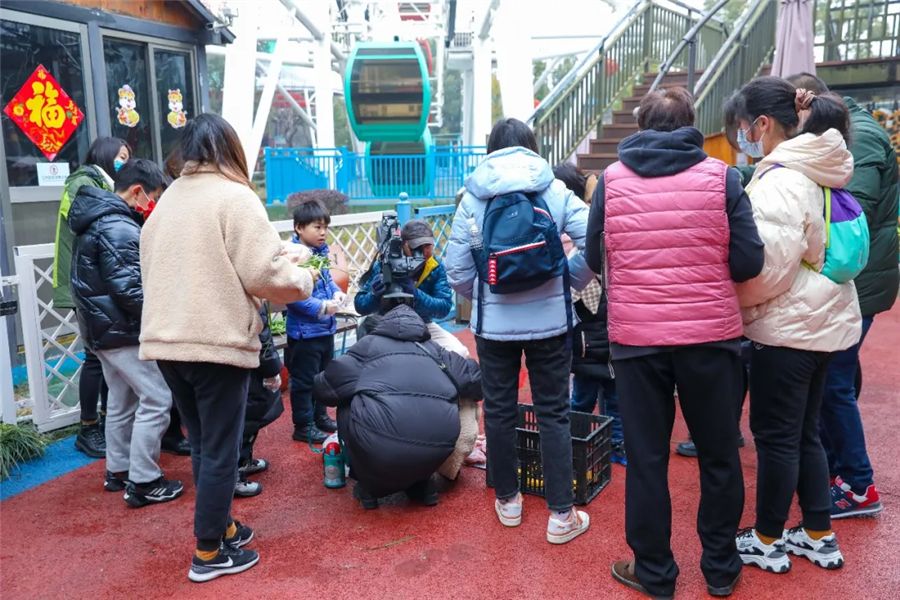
[
  {"x": 743, "y": 56},
  {"x": 643, "y": 38},
  {"x": 689, "y": 38},
  {"x": 567, "y": 80}
]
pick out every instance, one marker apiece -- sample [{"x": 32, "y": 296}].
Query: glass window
[
  {"x": 24, "y": 47},
  {"x": 386, "y": 91},
  {"x": 175, "y": 95},
  {"x": 129, "y": 95}
]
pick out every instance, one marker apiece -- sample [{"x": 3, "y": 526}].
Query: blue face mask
[
  {"x": 751, "y": 149},
  {"x": 118, "y": 164}
]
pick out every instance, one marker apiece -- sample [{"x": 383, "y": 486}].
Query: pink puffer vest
[{"x": 667, "y": 238}]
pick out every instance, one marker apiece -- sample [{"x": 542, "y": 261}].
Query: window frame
[
  {"x": 52, "y": 193},
  {"x": 153, "y": 44}
]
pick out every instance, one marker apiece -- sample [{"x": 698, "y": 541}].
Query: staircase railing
[
  {"x": 856, "y": 29},
  {"x": 644, "y": 37},
  {"x": 743, "y": 56}
]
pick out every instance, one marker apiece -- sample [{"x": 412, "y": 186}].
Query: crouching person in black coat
[
  {"x": 397, "y": 397},
  {"x": 264, "y": 405}
]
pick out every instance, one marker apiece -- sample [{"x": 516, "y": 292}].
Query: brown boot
[{"x": 623, "y": 572}]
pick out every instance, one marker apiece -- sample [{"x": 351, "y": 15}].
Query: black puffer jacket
[
  {"x": 590, "y": 344},
  {"x": 106, "y": 269},
  {"x": 263, "y": 405},
  {"x": 397, "y": 409}
]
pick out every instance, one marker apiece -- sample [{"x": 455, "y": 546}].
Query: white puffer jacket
[{"x": 789, "y": 304}]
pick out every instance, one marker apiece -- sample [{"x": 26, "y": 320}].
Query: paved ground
[{"x": 68, "y": 539}]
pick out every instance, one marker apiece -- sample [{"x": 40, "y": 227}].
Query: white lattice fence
[
  {"x": 441, "y": 223},
  {"x": 355, "y": 234},
  {"x": 52, "y": 343}
]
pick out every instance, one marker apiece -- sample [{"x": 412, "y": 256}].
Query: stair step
[
  {"x": 596, "y": 162},
  {"x": 623, "y": 117},
  {"x": 631, "y": 103},
  {"x": 619, "y": 130},
  {"x": 672, "y": 78},
  {"x": 605, "y": 146}
]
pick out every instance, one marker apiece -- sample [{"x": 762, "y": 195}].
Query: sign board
[{"x": 52, "y": 173}]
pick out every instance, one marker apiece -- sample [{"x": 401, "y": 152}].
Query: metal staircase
[{"x": 642, "y": 39}]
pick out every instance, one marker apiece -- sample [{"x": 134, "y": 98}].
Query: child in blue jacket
[{"x": 310, "y": 328}]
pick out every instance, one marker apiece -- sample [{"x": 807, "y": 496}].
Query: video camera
[{"x": 395, "y": 264}]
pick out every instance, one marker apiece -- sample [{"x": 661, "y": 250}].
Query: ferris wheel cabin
[{"x": 387, "y": 91}]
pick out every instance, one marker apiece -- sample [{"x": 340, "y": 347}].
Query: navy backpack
[{"x": 521, "y": 249}]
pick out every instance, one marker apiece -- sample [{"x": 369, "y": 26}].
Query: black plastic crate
[{"x": 591, "y": 449}]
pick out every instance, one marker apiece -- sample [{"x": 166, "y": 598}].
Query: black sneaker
[
  {"x": 690, "y": 450},
  {"x": 254, "y": 466},
  {"x": 178, "y": 446},
  {"x": 242, "y": 537},
  {"x": 228, "y": 561},
  {"x": 115, "y": 482},
  {"x": 424, "y": 492},
  {"x": 155, "y": 492},
  {"x": 326, "y": 424},
  {"x": 366, "y": 500},
  {"x": 90, "y": 440},
  {"x": 309, "y": 434}
]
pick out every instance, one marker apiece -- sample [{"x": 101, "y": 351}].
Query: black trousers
[
  {"x": 709, "y": 382},
  {"x": 786, "y": 387},
  {"x": 174, "y": 430},
  {"x": 212, "y": 400},
  {"x": 307, "y": 358},
  {"x": 91, "y": 386},
  {"x": 549, "y": 363}
]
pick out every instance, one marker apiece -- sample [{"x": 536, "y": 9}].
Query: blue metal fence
[{"x": 370, "y": 180}]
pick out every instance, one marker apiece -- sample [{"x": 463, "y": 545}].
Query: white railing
[
  {"x": 52, "y": 344},
  {"x": 53, "y": 349}
]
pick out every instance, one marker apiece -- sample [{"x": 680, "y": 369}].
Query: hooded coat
[
  {"x": 539, "y": 313},
  {"x": 398, "y": 412},
  {"x": 790, "y": 304},
  {"x": 106, "y": 269}
]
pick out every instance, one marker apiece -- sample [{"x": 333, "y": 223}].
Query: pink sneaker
[
  {"x": 561, "y": 532},
  {"x": 510, "y": 513}
]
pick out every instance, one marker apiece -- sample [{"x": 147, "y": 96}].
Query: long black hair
[
  {"x": 509, "y": 133},
  {"x": 573, "y": 177},
  {"x": 103, "y": 153},
  {"x": 777, "y": 98}
]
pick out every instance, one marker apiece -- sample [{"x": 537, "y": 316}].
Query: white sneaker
[
  {"x": 768, "y": 557},
  {"x": 823, "y": 553},
  {"x": 510, "y": 513},
  {"x": 246, "y": 488},
  {"x": 560, "y": 532}
]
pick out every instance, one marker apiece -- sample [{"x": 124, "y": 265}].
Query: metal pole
[{"x": 692, "y": 66}]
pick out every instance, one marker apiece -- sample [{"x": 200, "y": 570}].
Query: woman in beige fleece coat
[
  {"x": 207, "y": 256},
  {"x": 796, "y": 317}
]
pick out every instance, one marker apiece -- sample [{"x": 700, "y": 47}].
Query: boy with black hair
[
  {"x": 107, "y": 289},
  {"x": 311, "y": 325}
]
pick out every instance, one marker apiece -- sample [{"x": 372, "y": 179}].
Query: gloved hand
[
  {"x": 408, "y": 286},
  {"x": 331, "y": 307},
  {"x": 272, "y": 383},
  {"x": 339, "y": 298},
  {"x": 377, "y": 287}
]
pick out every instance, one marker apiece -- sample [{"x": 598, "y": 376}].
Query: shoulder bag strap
[{"x": 443, "y": 368}]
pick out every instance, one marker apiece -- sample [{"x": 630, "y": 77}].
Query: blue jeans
[
  {"x": 587, "y": 391},
  {"x": 841, "y": 427}
]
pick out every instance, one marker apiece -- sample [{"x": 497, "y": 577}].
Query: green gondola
[
  {"x": 387, "y": 91},
  {"x": 396, "y": 167}
]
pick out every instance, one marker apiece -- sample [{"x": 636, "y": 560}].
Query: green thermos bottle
[{"x": 335, "y": 469}]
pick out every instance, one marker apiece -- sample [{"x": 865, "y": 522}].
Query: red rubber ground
[{"x": 69, "y": 540}]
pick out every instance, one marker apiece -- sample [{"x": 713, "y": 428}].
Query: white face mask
[{"x": 751, "y": 149}]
